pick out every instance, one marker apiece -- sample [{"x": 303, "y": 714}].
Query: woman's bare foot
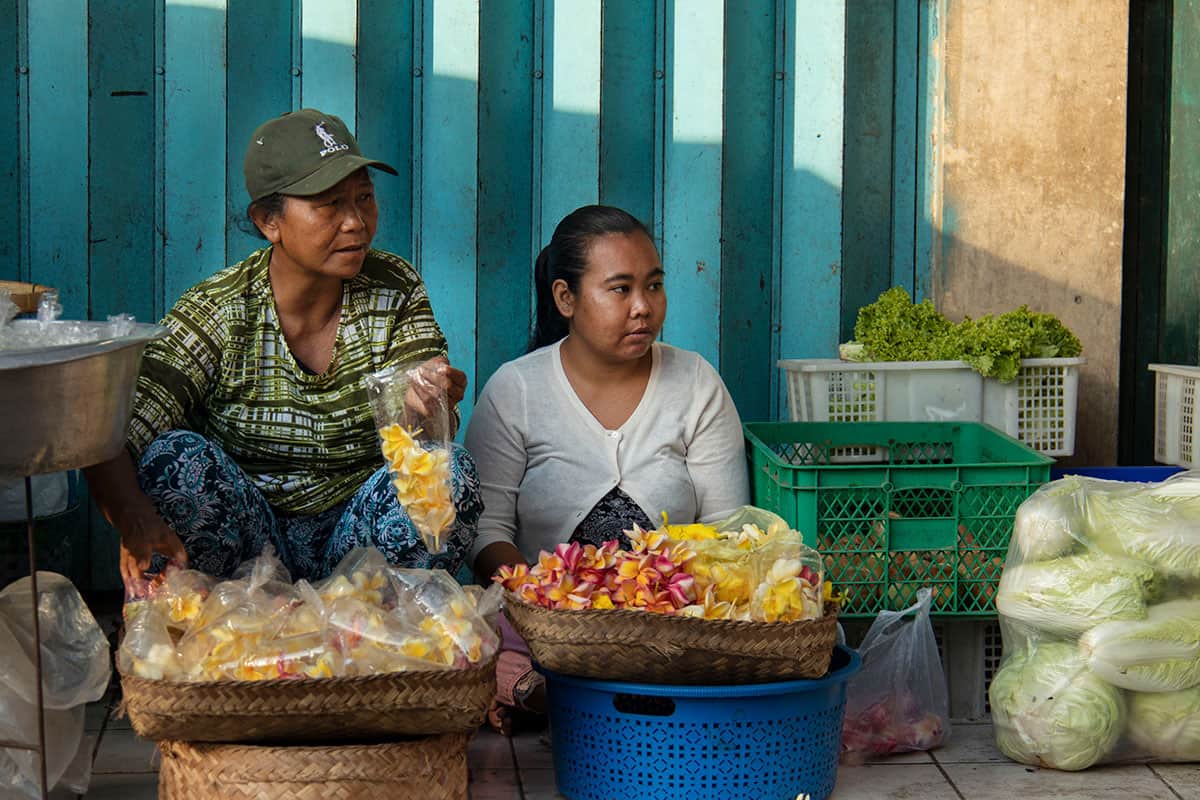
[{"x": 500, "y": 718}]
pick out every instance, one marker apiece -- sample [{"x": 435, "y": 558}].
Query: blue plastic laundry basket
[{"x": 767, "y": 741}]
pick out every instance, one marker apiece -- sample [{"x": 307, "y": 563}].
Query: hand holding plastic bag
[{"x": 898, "y": 702}]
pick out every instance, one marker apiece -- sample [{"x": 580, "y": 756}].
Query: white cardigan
[{"x": 544, "y": 460}]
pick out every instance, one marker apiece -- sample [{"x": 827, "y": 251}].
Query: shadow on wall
[{"x": 1093, "y": 318}]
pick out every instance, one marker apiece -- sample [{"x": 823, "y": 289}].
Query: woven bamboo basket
[
  {"x": 621, "y": 645},
  {"x": 430, "y": 768},
  {"x": 308, "y": 709}
]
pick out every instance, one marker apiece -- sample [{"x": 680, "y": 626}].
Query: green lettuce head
[
  {"x": 1166, "y": 725},
  {"x": 1049, "y": 710}
]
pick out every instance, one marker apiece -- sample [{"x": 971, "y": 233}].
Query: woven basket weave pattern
[
  {"x": 431, "y": 768},
  {"x": 621, "y": 645},
  {"x": 375, "y": 706}
]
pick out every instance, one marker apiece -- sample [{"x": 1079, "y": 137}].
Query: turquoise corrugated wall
[{"x": 780, "y": 150}]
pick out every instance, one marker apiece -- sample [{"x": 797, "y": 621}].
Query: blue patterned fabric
[{"x": 223, "y": 519}]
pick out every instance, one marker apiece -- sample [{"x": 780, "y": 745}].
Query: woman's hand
[
  {"x": 142, "y": 535},
  {"x": 114, "y": 488},
  {"x": 434, "y": 379},
  {"x": 493, "y": 557}
]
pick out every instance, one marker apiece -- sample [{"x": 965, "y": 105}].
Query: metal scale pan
[{"x": 63, "y": 407}]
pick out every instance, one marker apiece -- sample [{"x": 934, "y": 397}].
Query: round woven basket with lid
[
  {"x": 644, "y": 647},
  {"x": 414, "y": 703},
  {"x": 431, "y": 768}
]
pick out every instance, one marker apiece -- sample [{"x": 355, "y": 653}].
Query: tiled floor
[{"x": 969, "y": 768}]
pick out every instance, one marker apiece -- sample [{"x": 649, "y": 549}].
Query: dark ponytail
[{"x": 566, "y": 259}]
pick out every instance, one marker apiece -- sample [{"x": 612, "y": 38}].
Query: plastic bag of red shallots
[{"x": 898, "y": 703}]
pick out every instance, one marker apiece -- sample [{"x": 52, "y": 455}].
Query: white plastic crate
[
  {"x": 1175, "y": 439},
  {"x": 1038, "y": 408}
]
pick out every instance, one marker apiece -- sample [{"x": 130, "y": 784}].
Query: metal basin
[{"x": 68, "y": 406}]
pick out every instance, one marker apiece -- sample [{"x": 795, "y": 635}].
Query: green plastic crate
[{"x": 894, "y": 506}]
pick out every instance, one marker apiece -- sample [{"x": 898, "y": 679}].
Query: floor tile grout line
[
  {"x": 512, "y": 749},
  {"x": 1165, "y": 782},
  {"x": 949, "y": 780}
]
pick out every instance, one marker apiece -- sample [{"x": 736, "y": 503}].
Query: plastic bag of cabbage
[{"x": 1099, "y": 607}]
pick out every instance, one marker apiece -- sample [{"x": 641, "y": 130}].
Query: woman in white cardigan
[{"x": 599, "y": 426}]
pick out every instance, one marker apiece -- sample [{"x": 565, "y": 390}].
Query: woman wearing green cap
[{"x": 251, "y": 424}]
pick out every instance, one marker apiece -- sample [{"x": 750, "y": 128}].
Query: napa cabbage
[
  {"x": 1158, "y": 525},
  {"x": 1160, "y": 653},
  {"x": 1067, "y": 596},
  {"x": 1049, "y": 710},
  {"x": 1049, "y": 523},
  {"x": 1166, "y": 725}
]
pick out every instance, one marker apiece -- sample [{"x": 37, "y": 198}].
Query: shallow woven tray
[
  {"x": 307, "y": 709},
  {"x": 620, "y": 645},
  {"x": 431, "y": 768}
]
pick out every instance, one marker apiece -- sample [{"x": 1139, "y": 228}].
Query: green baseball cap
[{"x": 302, "y": 153}]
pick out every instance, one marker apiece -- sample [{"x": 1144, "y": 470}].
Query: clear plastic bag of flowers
[
  {"x": 726, "y": 576},
  {"x": 178, "y": 594},
  {"x": 305, "y": 655},
  {"x": 749, "y": 526},
  {"x": 448, "y": 612},
  {"x": 412, "y": 415},
  {"x": 147, "y": 649},
  {"x": 790, "y": 580},
  {"x": 237, "y": 618},
  {"x": 362, "y": 573},
  {"x": 372, "y": 640}
]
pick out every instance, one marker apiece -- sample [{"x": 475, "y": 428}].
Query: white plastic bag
[
  {"x": 898, "y": 703},
  {"x": 75, "y": 669}
]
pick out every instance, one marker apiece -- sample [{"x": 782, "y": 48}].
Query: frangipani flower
[
  {"x": 695, "y": 531},
  {"x": 421, "y": 479},
  {"x": 687, "y": 569}
]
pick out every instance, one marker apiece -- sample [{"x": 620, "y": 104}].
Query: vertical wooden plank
[
  {"x": 194, "y": 161},
  {"x": 329, "y": 34},
  {"x": 783, "y": 67},
  {"x": 867, "y": 212},
  {"x": 12, "y": 18},
  {"x": 58, "y": 150},
  {"x": 121, "y": 180},
  {"x": 1182, "y": 309},
  {"x": 905, "y": 127},
  {"x": 505, "y": 184},
  {"x": 931, "y": 218},
  {"x": 662, "y": 123},
  {"x": 627, "y": 103},
  {"x": 385, "y": 110},
  {"x": 811, "y": 249},
  {"x": 259, "y": 86},
  {"x": 122, "y": 202},
  {"x": 692, "y": 174},
  {"x": 570, "y": 109},
  {"x": 746, "y": 206},
  {"x": 449, "y": 173}
]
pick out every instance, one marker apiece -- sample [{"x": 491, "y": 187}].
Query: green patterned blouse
[{"x": 225, "y": 371}]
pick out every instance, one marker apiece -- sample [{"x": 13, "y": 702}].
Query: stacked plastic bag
[
  {"x": 366, "y": 618},
  {"x": 1100, "y": 611},
  {"x": 75, "y": 672}
]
